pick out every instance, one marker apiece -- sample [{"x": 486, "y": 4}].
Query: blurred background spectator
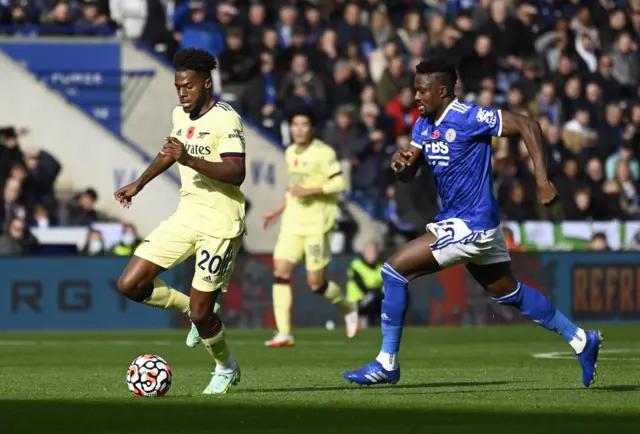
[{"x": 573, "y": 66}]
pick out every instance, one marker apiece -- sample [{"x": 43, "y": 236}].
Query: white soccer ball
[
  {"x": 149, "y": 376},
  {"x": 330, "y": 325}
]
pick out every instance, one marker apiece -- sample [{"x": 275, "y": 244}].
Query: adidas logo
[
  {"x": 207, "y": 279},
  {"x": 385, "y": 317},
  {"x": 179, "y": 132}
]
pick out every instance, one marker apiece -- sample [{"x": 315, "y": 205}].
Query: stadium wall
[
  {"x": 79, "y": 293},
  {"x": 72, "y": 294},
  {"x": 91, "y": 155}
]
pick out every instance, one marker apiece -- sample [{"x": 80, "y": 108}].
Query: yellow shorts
[
  {"x": 316, "y": 249},
  {"x": 172, "y": 242}
]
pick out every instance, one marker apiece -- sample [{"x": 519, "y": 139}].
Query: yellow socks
[
  {"x": 334, "y": 294},
  {"x": 282, "y": 301},
  {"x": 165, "y": 297},
  {"x": 216, "y": 345}
]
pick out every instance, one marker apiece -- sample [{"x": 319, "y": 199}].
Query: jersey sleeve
[
  {"x": 330, "y": 165},
  {"x": 231, "y": 137},
  {"x": 416, "y": 135},
  {"x": 483, "y": 121}
]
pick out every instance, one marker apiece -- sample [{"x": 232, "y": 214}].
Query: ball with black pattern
[{"x": 149, "y": 376}]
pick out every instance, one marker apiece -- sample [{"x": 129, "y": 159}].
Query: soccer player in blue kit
[{"x": 454, "y": 138}]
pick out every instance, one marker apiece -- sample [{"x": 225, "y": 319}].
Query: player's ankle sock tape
[
  {"x": 210, "y": 328},
  {"x": 535, "y": 306},
  {"x": 322, "y": 289},
  {"x": 282, "y": 301},
  {"x": 394, "y": 306}
]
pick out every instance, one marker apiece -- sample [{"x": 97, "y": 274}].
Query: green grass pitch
[{"x": 454, "y": 380}]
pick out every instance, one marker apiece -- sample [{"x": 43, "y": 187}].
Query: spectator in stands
[
  {"x": 10, "y": 206},
  {"x": 58, "y": 20},
  {"x": 367, "y": 164},
  {"x": 43, "y": 171},
  {"x": 403, "y": 111},
  {"x": 18, "y": 240},
  {"x": 94, "y": 245},
  {"x": 237, "y": 65},
  {"x": 623, "y": 155},
  {"x": 83, "y": 212},
  {"x": 259, "y": 99},
  {"x": 195, "y": 30},
  {"x": 129, "y": 240},
  {"x": 92, "y": 15},
  {"x": 302, "y": 87},
  {"x": 599, "y": 243},
  {"x": 41, "y": 217},
  {"x": 10, "y": 152},
  {"x": 393, "y": 78},
  {"x": 626, "y": 65},
  {"x": 343, "y": 133}
]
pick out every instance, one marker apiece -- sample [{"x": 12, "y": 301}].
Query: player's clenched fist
[
  {"x": 175, "y": 149},
  {"x": 400, "y": 160},
  {"x": 547, "y": 192},
  {"x": 124, "y": 194}
]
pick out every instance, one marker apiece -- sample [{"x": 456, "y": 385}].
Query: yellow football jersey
[
  {"x": 209, "y": 206},
  {"x": 311, "y": 167}
]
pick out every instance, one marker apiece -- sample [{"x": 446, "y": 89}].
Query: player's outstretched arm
[
  {"x": 157, "y": 166},
  {"x": 514, "y": 124}
]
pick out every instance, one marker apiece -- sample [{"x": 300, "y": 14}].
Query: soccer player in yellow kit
[
  {"x": 207, "y": 142},
  {"x": 308, "y": 217}
]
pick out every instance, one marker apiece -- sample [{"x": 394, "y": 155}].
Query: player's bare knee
[
  {"x": 282, "y": 271},
  {"x": 316, "y": 280},
  {"x": 129, "y": 285},
  {"x": 199, "y": 313}
]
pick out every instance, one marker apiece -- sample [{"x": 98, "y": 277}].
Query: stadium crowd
[{"x": 573, "y": 65}]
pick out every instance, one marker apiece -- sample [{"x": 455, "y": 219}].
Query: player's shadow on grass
[
  {"x": 619, "y": 388},
  {"x": 231, "y": 415},
  {"x": 357, "y": 387}
]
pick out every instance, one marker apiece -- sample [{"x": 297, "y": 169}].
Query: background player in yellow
[
  {"x": 308, "y": 217},
  {"x": 207, "y": 142}
]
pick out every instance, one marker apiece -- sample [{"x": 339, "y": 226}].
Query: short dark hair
[
  {"x": 439, "y": 66},
  {"x": 195, "y": 59},
  {"x": 303, "y": 111}
]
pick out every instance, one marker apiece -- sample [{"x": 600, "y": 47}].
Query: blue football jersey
[{"x": 458, "y": 148}]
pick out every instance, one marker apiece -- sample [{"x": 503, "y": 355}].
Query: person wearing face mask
[
  {"x": 128, "y": 241},
  {"x": 94, "y": 245}
]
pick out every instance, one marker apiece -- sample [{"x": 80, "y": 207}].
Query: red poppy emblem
[
  {"x": 190, "y": 132},
  {"x": 435, "y": 134}
]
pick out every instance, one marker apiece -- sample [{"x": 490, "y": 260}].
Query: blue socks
[
  {"x": 531, "y": 303},
  {"x": 394, "y": 306},
  {"x": 535, "y": 306}
]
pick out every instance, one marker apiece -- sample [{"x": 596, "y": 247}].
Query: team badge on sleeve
[{"x": 487, "y": 116}]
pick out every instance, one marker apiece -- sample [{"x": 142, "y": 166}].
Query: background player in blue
[{"x": 455, "y": 139}]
